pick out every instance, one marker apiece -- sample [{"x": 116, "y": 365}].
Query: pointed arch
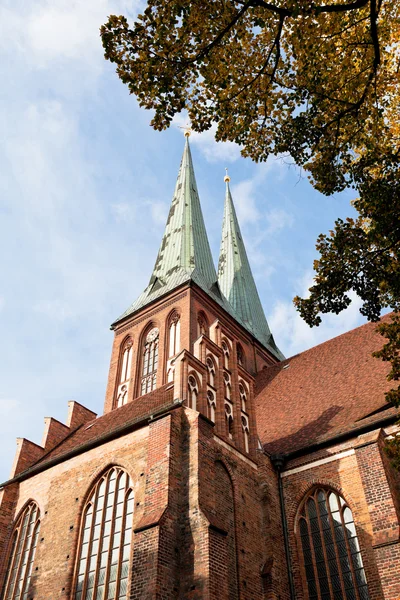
[
  {"x": 22, "y": 552},
  {"x": 202, "y": 324},
  {"x": 174, "y": 333},
  {"x": 211, "y": 370},
  {"x": 104, "y": 546},
  {"x": 124, "y": 372},
  {"x": 226, "y": 349},
  {"x": 193, "y": 390},
  {"x": 332, "y": 564},
  {"x": 240, "y": 355},
  {"x": 149, "y": 358}
]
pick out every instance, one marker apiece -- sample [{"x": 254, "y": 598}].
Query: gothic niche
[
  {"x": 124, "y": 371},
  {"x": 174, "y": 334}
]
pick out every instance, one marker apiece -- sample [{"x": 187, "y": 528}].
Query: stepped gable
[
  {"x": 111, "y": 423},
  {"x": 334, "y": 388}
]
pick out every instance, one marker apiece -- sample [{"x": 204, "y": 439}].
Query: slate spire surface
[
  {"x": 236, "y": 280},
  {"x": 184, "y": 254}
]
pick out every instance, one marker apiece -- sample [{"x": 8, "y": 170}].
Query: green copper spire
[
  {"x": 184, "y": 254},
  {"x": 236, "y": 279}
]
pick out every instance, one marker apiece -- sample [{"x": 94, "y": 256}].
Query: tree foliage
[{"x": 317, "y": 80}]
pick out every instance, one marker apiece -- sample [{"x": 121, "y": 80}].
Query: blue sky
[{"x": 85, "y": 187}]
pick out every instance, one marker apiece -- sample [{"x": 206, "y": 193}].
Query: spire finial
[
  {"x": 187, "y": 130},
  {"x": 226, "y": 178}
]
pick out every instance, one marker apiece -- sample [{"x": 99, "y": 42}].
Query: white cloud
[
  {"x": 278, "y": 219},
  {"x": 293, "y": 335}
]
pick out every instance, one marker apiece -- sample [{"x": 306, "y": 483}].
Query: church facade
[{"x": 220, "y": 470}]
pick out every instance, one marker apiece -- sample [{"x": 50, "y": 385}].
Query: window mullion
[
  {"x": 355, "y": 584},
  {"x": 9, "y": 584},
  {"x": 336, "y": 548},
  {"x": 121, "y": 544},
  {"x": 328, "y": 573},
  {"x": 29, "y": 558},
  {"x": 102, "y": 525},
  {"x": 90, "y": 542},
  {"x": 112, "y": 529},
  {"x": 24, "y": 533},
  {"x": 312, "y": 552}
]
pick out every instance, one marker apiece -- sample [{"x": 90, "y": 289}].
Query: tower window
[
  {"x": 225, "y": 350},
  {"x": 102, "y": 565},
  {"x": 240, "y": 355},
  {"x": 124, "y": 371},
  {"x": 193, "y": 391},
  {"x": 246, "y": 432},
  {"x": 150, "y": 361},
  {"x": 331, "y": 552},
  {"x": 227, "y": 385},
  {"x": 210, "y": 371},
  {"x": 243, "y": 397},
  {"x": 202, "y": 324},
  {"x": 23, "y": 547},
  {"x": 211, "y": 405},
  {"x": 229, "y": 419}
]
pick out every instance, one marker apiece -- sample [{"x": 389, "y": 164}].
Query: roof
[
  {"x": 326, "y": 391},
  {"x": 184, "y": 254},
  {"x": 113, "y": 422},
  {"x": 236, "y": 279}
]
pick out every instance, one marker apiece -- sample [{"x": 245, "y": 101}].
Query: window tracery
[
  {"x": 227, "y": 385},
  {"x": 193, "y": 391},
  {"x": 229, "y": 419},
  {"x": 102, "y": 566},
  {"x": 124, "y": 372},
  {"x": 150, "y": 361},
  {"x": 22, "y": 555},
  {"x": 331, "y": 553}
]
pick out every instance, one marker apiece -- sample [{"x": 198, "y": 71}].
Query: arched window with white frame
[
  {"x": 124, "y": 372},
  {"x": 227, "y": 386},
  {"x": 193, "y": 392},
  {"x": 103, "y": 556},
  {"x": 23, "y": 547},
  {"x": 150, "y": 361},
  {"x": 229, "y": 419},
  {"x": 332, "y": 562}
]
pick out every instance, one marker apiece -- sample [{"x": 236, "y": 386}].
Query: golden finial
[
  {"x": 226, "y": 178},
  {"x": 187, "y": 130}
]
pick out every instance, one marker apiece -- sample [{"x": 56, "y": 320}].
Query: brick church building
[{"x": 219, "y": 470}]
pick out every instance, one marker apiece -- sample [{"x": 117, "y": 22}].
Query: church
[{"x": 220, "y": 470}]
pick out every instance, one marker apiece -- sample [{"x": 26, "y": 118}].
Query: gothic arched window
[
  {"x": 124, "y": 371},
  {"x": 174, "y": 333},
  {"x": 243, "y": 397},
  {"x": 23, "y": 546},
  {"x": 229, "y": 419},
  {"x": 150, "y": 361},
  {"x": 202, "y": 324},
  {"x": 193, "y": 391},
  {"x": 102, "y": 565},
  {"x": 211, "y": 404},
  {"x": 227, "y": 385},
  {"x": 225, "y": 350},
  {"x": 210, "y": 371},
  {"x": 331, "y": 552},
  {"x": 246, "y": 432},
  {"x": 240, "y": 355}
]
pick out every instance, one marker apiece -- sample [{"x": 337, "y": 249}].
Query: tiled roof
[
  {"x": 236, "y": 279},
  {"x": 328, "y": 390},
  {"x": 112, "y": 422}
]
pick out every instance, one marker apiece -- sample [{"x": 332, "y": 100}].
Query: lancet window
[
  {"x": 202, "y": 324},
  {"x": 229, "y": 419},
  {"x": 211, "y": 405},
  {"x": 240, "y": 355},
  {"x": 227, "y": 386},
  {"x": 174, "y": 335},
  {"x": 225, "y": 350},
  {"x": 102, "y": 566},
  {"x": 210, "y": 371},
  {"x": 246, "y": 432},
  {"x": 150, "y": 361},
  {"x": 331, "y": 553},
  {"x": 124, "y": 372},
  {"x": 193, "y": 391},
  {"x": 243, "y": 396},
  {"x": 22, "y": 555}
]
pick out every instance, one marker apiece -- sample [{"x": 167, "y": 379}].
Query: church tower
[{"x": 202, "y": 335}]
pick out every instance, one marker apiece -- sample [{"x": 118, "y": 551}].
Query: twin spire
[{"x": 185, "y": 255}]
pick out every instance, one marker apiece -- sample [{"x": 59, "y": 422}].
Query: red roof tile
[
  {"x": 322, "y": 392},
  {"x": 112, "y": 422}
]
